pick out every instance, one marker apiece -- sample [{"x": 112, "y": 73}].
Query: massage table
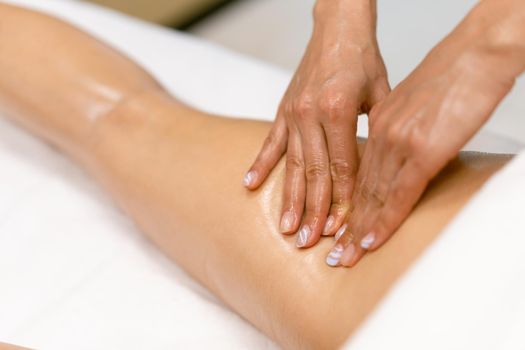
[{"x": 76, "y": 274}]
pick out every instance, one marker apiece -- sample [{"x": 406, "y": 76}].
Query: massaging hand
[
  {"x": 341, "y": 75},
  {"x": 424, "y": 123}
]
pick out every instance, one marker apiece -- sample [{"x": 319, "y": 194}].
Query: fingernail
[
  {"x": 304, "y": 234},
  {"x": 368, "y": 240},
  {"x": 335, "y": 255},
  {"x": 340, "y": 232},
  {"x": 348, "y": 254},
  {"x": 287, "y": 222},
  {"x": 248, "y": 178},
  {"x": 328, "y": 225}
]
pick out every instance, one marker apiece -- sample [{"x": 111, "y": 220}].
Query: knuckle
[
  {"x": 369, "y": 193},
  {"x": 303, "y": 106},
  {"x": 286, "y": 108},
  {"x": 315, "y": 171},
  {"x": 397, "y": 194},
  {"x": 342, "y": 170},
  {"x": 333, "y": 105},
  {"x": 294, "y": 162},
  {"x": 393, "y": 136},
  {"x": 270, "y": 140},
  {"x": 365, "y": 191},
  {"x": 379, "y": 194},
  {"x": 416, "y": 141}
]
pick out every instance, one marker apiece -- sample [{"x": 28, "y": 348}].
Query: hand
[
  {"x": 341, "y": 75},
  {"x": 424, "y": 123}
]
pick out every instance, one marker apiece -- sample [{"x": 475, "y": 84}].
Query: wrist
[
  {"x": 346, "y": 13},
  {"x": 349, "y": 23}
]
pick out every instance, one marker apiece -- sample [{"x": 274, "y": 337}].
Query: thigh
[{"x": 178, "y": 173}]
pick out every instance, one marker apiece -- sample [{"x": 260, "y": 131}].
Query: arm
[
  {"x": 174, "y": 170},
  {"x": 431, "y": 115}
]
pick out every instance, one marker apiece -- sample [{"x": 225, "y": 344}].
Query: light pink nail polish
[
  {"x": 287, "y": 222},
  {"x": 335, "y": 255},
  {"x": 348, "y": 255},
  {"x": 304, "y": 234},
  {"x": 328, "y": 226},
  {"x": 248, "y": 178},
  {"x": 340, "y": 232},
  {"x": 368, "y": 240}
]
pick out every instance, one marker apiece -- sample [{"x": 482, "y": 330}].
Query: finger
[
  {"x": 345, "y": 252},
  {"x": 270, "y": 153},
  {"x": 294, "y": 185},
  {"x": 374, "y": 124},
  {"x": 405, "y": 191},
  {"x": 370, "y": 170},
  {"x": 388, "y": 160},
  {"x": 390, "y": 154},
  {"x": 389, "y": 169},
  {"x": 367, "y": 175},
  {"x": 362, "y": 171},
  {"x": 318, "y": 184},
  {"x": 342, "y": 150},
  {"x": 368, "y": 154},
  {"x": 353, "y": 251}
]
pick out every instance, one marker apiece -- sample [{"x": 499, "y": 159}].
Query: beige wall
[{"x": 171, "y": 12}]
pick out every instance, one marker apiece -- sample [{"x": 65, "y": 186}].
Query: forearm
[
  {"x": 496, "y": 37},
  {"x": 58, "y": 81}
]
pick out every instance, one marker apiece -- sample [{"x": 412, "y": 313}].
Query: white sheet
[
  {"x": 75, "y": 273},
  {"x": 468, "y": 289}
]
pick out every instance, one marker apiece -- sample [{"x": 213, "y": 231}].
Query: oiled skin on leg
[{"x": 177, "y": 172}]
